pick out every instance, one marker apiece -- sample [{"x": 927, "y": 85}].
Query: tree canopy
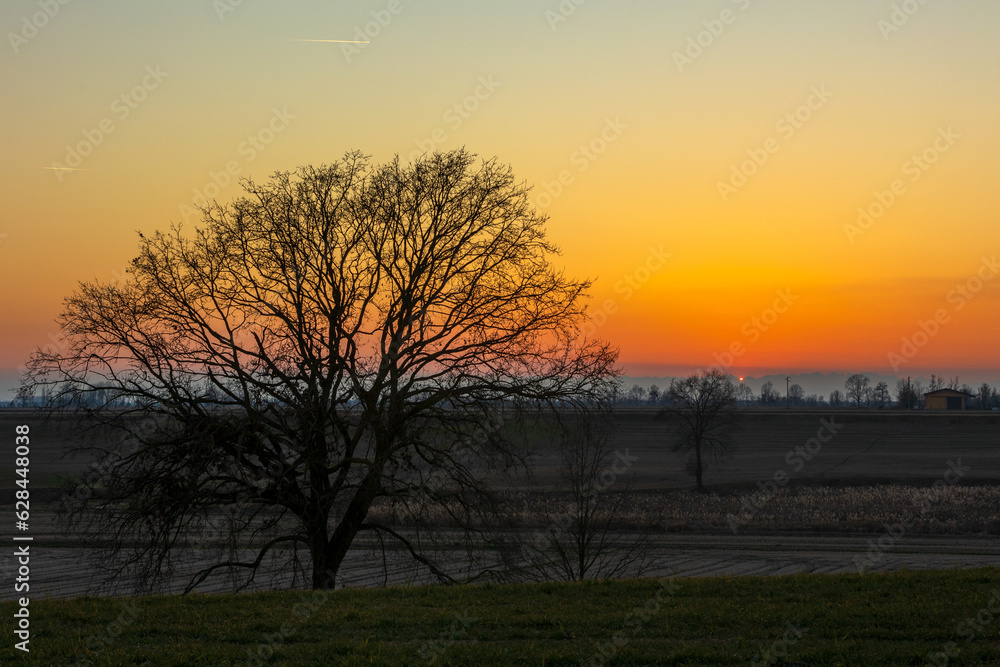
[{"x": 330, "y": 339}]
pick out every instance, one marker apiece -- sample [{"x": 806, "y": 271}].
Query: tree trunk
[
  {"x": 324, "y": 577},
  {"x": 697, "y": 466},
  {"x": 323, "y": 573},
  {"x": 345, "y": 532}
]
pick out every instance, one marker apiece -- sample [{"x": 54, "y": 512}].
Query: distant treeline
[{"x": 858, "y": 392}]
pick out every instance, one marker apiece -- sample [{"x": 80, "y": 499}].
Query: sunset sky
[{"x": 705, "y": 162}]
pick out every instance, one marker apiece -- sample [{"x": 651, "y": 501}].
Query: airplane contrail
[
  {"x": 65, "y": 169},
  {"x": 332, "y": 41}
]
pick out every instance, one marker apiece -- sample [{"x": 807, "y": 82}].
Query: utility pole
[
  {"x": 909, "y": 393},
  {"x": 787, "y": 402}
]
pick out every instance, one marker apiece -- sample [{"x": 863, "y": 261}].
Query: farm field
[
  {"x": 834, "y": 506},
  {"x": 64, "y": 571},
  {"x": 870, "y": 446}
]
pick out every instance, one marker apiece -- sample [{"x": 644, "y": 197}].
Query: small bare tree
[
  {"x": 768, "y": 394},
  {"x": 705, "y": 407},
  {"x": 580, "y": 532},
  {"x": 637, "y": 395},
  {"x": 744, "y": 394},
  {"x": 881, "y": 395},
  {"x": 905, "y": 395},
  {"x": 856, "y": 388},
  {"x": 984, "y": 396}
]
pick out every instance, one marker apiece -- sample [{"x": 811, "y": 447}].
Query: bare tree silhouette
[
  {"x": 582, "y": 535},
  {"x": 333, "y": 339},
  {"x": 705, "y": 407},
  {"x": 856, "y": 388},
  {"x": 880, "y": 395}
]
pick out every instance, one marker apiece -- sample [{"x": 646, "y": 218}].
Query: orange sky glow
[{"x": 769, "y": 187}]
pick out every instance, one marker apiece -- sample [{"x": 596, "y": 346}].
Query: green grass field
[{"x": 904, "y": 618}]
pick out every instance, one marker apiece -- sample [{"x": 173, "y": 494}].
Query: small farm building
[{"x": 946, "y": 399}]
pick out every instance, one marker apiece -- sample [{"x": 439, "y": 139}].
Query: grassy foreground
[{"x": 904, "y": 618}]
